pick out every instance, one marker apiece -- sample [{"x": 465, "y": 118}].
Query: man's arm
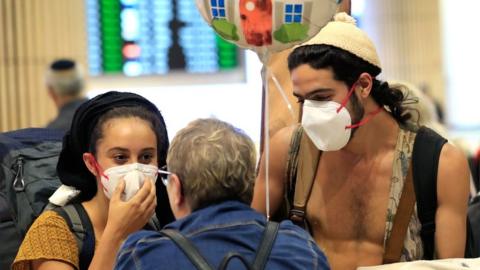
[
  {"x": 279, "y": 147},
  {"x": 452, "y": 190}
]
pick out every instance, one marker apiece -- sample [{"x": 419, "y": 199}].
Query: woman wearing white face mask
[{"x": 111, "y": 154}]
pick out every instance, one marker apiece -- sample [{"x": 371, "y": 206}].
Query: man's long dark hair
[{"x": 347, "y": 67}]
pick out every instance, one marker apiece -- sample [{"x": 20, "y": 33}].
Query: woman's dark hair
[
  {"x": 155, "y": 124},
  {"x": 347, "y": 67}
]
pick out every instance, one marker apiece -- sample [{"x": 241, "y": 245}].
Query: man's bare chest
[{"x": 350, "y": 202}]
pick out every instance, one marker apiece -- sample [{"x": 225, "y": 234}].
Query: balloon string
[
  {"x": 266, "y": 149},
  {"x": 282, "y": 93}
]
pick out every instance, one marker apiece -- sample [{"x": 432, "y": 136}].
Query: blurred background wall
[
  {"x": 32, "y": 34},
  {"x": 418, "y": 41}
]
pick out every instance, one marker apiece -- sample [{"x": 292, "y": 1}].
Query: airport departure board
[{"x": 149, "y": 37}]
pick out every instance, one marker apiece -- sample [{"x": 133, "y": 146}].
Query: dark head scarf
[{"x": 71, "y": 168}]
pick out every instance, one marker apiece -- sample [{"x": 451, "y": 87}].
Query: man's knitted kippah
[
  {"x": 62, "y": 64},
  {"x": 343, "y": 33}
]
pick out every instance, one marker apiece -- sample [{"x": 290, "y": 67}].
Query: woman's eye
[
  {"x": 120, "y": 158},
  {"x": 146, "y": 158}
]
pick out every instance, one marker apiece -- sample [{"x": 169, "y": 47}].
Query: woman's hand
[{"x": 125, "y": 217}]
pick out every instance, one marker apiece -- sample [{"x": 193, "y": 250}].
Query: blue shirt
[{"x": 215, "y": 231}]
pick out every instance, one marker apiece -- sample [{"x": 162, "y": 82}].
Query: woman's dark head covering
[{"x": 71, "y": 168}]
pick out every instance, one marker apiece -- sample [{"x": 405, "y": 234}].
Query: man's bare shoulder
[
  {"x": 452, "y": 161},
  {"x": 453, "y": 173},
  {"x": 284, "y": 135},
  {"x": 452, "y": 189}
]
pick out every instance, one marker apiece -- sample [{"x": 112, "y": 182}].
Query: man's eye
[
  {"x": 320, "y": 98},
  {"x": 300, "y": 100}
]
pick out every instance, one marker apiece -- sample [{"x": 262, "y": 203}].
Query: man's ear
[
  {"x": 365, "y": 82},
  {"x": 89, "y": 161},
  {"x": 52, "y": 94},
  {"x": 175, "y": 191}
]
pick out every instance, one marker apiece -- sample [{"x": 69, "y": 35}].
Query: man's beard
[{"x": 357, "y": 113}]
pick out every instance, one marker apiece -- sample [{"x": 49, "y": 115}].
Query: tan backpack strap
[
  {"x": 308, "y": 158},
  {"x": 394, "y": 245},
  {"x": 292, "y": 162}
]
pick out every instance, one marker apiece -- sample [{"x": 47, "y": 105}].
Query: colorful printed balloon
[{"x": 267, "y": 25}]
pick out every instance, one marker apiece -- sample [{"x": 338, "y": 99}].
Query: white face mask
[
  {"x": 134, "y": 176},
  {"x": 325, "y": 125}
]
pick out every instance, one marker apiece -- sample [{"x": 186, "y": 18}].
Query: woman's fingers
[
  {"x": 117, "y": 194},
  {"x": 143, "y": 193}
]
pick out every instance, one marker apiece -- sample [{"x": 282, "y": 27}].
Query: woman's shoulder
[
  {"x": 50, "y": 218},
  {"x": 49, "y": 237}
]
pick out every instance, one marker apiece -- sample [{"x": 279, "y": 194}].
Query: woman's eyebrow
[
  {"x": 148, "y": 149},
  {"x": 117, "y": 149}
]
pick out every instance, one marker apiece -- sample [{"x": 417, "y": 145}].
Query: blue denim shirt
[{"x": 215, "y": 231}]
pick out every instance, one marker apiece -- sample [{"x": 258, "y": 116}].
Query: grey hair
[{"x": 65, "y": 82}]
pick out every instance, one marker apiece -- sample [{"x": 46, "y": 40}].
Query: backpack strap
[
  {"x": 259, "y": 263},
  {"x": 79, "y": 223},
  {"x": 394, "y": 245},
  {"x": 308, "y": 158},
  {"x": 188, "y": 249},
  {"x": 265, "y": 248},
  {"x": 425, "y": 158},
  {"x": 292, "y": 162},
  {"x": 231, "y": 255},
  {"x": 283, "y": 212},
  {"x": 153, "y": 224}
]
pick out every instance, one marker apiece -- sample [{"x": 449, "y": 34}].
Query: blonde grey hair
[
  {"x": 215, "y": 162},
  {"x": 67, "y": 82}
]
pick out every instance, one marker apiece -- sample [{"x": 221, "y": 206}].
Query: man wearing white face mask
[{"x": 359, "y": 161}]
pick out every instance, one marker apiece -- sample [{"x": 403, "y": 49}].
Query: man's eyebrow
[{"x": 314, "y": 92}]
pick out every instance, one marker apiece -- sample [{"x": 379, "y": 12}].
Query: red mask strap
[
  {"x": 97, "y": 166},
  {"x": 344, "y": 102},
  {"x": 366, "y": 119}
]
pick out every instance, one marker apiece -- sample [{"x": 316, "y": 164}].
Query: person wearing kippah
[
  {"x": 65, "y": 84},
  {"x": 358, "y": 126}
]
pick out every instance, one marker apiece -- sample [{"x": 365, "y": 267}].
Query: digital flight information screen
[{"x": 150, "y": 37}]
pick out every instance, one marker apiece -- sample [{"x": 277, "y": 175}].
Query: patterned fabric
[
  {"x": 412, "y": 249},
  {"x": 49, "y": 238}
]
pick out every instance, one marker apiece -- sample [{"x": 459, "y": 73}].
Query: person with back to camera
[
  {"x": 358, "y": 126},
  {"x": 111, "y": 155},
  {"x": 210, "y": 177},
  {"x": 65, "y": 83}
]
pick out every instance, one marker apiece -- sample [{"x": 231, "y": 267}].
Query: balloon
[{"x": 267, "y": 25}]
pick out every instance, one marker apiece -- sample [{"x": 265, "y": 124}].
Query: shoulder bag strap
[
  {"x": 308, "y": 158},
  {"x": 394, "y": 245}
]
